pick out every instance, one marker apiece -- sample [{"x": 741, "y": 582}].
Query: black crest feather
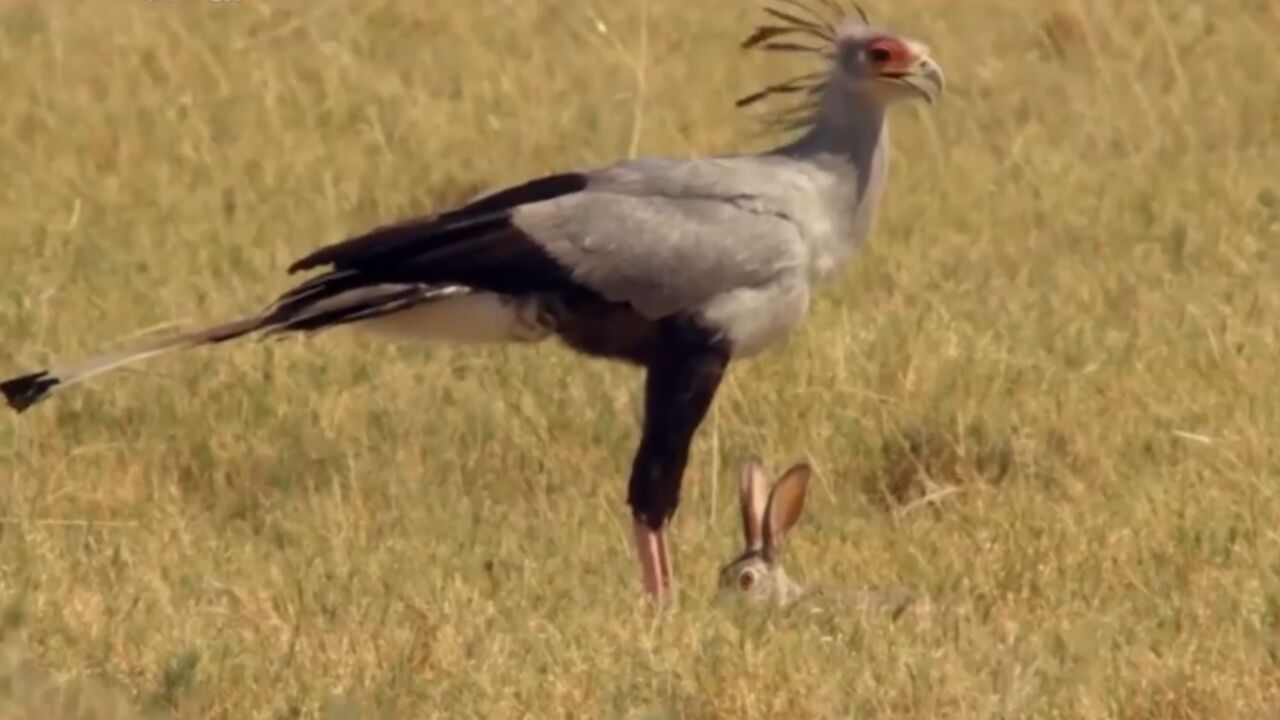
[{"x": 805, "y": 27}]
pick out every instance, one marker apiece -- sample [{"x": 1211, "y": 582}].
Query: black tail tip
[{"x": 27, "y": 390}]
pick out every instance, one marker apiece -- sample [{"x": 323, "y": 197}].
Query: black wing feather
[
  {"x": 475, "y": 246},
  {"x": 475, "y": 218}
]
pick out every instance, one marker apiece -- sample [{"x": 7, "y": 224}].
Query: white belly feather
[{"x": 471, "y": 318}]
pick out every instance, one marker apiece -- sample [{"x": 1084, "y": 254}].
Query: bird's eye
[
  {"x": 746, "y": 580},
  {"x": 879, "y": 55}
]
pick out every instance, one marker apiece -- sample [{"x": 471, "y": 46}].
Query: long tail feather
[
  {"x": 464, "y": 264},
  {"x": 298, "y": 311},
  {"x": 27, "y": 390}
]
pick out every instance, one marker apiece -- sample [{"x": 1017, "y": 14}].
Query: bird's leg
[
  {"x": 682, "y": 380},
  {"x": 664, "y": 559},
  {"x": 656, "y": 582},
  {"x": 655, "y": 558}
]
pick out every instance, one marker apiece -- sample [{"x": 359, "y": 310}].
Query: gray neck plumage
[
  {"x": 849, "y": 138},
  {"x": 848, "y": 126}
]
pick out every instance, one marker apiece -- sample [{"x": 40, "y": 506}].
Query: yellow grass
[{"x": 1070, "y": 312}]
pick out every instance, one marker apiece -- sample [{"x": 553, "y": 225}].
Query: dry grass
[{"x": 1070, "y": 312}]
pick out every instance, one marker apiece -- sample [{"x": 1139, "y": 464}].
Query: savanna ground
[{"x": 1044, "y": 396}]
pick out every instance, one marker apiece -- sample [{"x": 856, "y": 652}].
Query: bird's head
[
  {"x": 887, "y": 66},
  {"x": 862, "y": 62}
]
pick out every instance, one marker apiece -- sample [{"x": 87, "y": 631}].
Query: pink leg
[
  {"x": 655, "y": 565},
  {"x": 664, "y": 559}
]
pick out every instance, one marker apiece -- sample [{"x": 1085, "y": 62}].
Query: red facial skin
[{"x": 890, "y": 56}]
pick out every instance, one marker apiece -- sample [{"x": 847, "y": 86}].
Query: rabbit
[{"x": 768, "y": 514}]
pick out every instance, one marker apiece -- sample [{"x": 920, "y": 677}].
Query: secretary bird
[{"x": 674, "y": 265}]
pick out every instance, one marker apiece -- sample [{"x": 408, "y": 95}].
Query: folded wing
[{"x": 660, "y": 236}]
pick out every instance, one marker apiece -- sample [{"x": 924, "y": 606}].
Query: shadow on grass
[{"x": 924, "y": 461}]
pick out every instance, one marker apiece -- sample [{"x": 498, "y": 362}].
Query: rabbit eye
[{"x": 746, "y": 580}]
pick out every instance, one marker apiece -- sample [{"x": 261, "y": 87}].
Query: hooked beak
[{"x": 924, "y": 77}]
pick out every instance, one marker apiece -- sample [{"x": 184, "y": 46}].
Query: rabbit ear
[
  {"x": 753, "y": 487},
  {"x": 785, "y": 503}
]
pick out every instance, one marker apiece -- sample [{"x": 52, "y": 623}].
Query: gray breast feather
[{"x": 664, "y": 255}]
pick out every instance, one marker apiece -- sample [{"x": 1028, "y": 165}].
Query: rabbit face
[
  {"x": 767, "y": 516},
  {"x": 753, "y": 577}
]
